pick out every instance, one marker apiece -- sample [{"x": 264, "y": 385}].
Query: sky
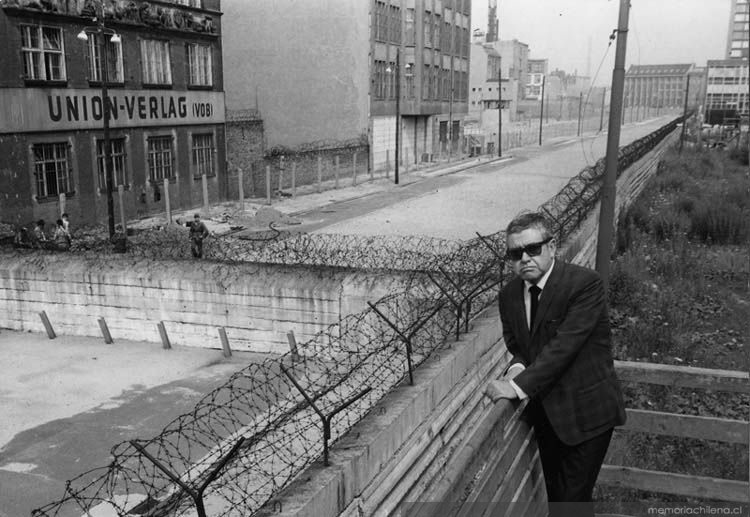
[{"x": 660, "y": 31}]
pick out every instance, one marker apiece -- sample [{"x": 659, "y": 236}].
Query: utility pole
[
  {"x": 450, "y": 115},
  {"x": 398, "y": 113},
  {"x": 607, "y": 209},
  {"x": 500, "y": 112},
  {"x": 541, "y": 112},
  {"x": 601, "y": 114},
  {"x": 684, "y": 113},
  {"x": 580, "y": 106}
]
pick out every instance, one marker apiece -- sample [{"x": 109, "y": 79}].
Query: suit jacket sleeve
[
  {"x": 509, "y": 337},
  {"x": 585, "y": 306}
]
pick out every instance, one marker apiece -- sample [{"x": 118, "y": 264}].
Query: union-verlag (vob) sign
[{"x": 24, "y": 110}]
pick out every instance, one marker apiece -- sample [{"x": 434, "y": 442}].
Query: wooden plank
[
  {"x": 676, "y": 484},
  {"x": 687, "y": 426},
  {"x": 684, "y": 376}
]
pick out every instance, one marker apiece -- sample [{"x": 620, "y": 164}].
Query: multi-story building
[
  {"x": 537, "y": 71},
  {"x": 727, "y": 91},
  {"x": 514, "y": 56},
  {"x": 482, "y": 124},
  {"x": 656, "y": 86},
  {"x": 324, "y": 74},
  {"x": 738, "y": 36},
  {"x": 163, "y": 74}
]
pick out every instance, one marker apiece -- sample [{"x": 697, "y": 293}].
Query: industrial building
[{"x": 161, "y": 64}]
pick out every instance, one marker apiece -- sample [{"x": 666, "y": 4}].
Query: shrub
[
  {"x": 668, "y": 224},
  {"x": 719, "y": 223},
  {"x": 740, "y": 153}
]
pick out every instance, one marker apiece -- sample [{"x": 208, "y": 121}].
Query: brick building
[{"x": 165, "y": 95}]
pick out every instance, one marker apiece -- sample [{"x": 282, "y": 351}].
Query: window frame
[
  {"x": 156, "y": 171},
  {"x": 119, "y": 159},
  {"x": 207, "y": 79},
  {"x": 209, "y": 151},
  {"x": 41, "y": 68},
  {"x": 94, "y": 67},
  {"x": 149, "y": 75},
  {"x": 40, "y": 177}
]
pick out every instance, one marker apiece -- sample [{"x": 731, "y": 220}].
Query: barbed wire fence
[{"x": 248, "y": 439}]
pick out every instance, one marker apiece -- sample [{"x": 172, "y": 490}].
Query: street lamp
[
  {"x": 397, "y": 71},
  {"x": 101, "y": 30}
]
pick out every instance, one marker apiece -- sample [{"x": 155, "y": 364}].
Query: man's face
[
  {"x": 530, "y": 268},
  {"x": 197, "y": 219}
]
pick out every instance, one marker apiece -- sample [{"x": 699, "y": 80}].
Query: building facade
[
  {"x": 738, "y": 35},
  {"x": 163, "y": 74},
  {"x": 656, "y": 87},
  {"x": 537, "y": 71},
  {"x": 482, "y": 122},
  {"x": 727, "y": 92},
  {"x": 514, "y": 56},
  {"x": 324, "y": 75}
]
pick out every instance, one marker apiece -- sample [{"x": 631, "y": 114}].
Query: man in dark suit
[{"x": 555, "y": 324}]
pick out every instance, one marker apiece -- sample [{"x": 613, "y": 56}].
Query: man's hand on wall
[{"x": 500, "y": 389}]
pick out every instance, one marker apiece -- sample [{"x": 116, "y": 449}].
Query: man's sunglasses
[{"x": 532, "y": 250}]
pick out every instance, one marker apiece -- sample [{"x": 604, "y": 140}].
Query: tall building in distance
[
  {"x": 493, "y": 24},
  {"x": 323, "y": 74},
  {"x": 738, "y": 35},
  {"x": 727, "y": 99},
  {"x": 165, "y": 96}
]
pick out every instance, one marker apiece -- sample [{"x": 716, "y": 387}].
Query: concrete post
[
  {"x": 241, "y": 188},
  {"x": 294, "y": 180},
  {"x": 354, "y": 169},
  {"x": 268, "y": 184},
  {"x": 120, "y": 196},
  {"x": 320, "y": 172},
  {"x": 336, "y": 173},
  {"x": 166, "y": 201},
  {"x": 204, "y": 181}
]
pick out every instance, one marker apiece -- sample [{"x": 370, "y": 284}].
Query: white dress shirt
[{"x": 527, "y": 303}]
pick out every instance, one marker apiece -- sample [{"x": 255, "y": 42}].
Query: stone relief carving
[{"x": 124, "y": 11}]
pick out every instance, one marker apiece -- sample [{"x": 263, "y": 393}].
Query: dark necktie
[{"x": 534, "y": 293}]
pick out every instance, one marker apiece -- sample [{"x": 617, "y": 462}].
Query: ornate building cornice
[{"x": 158, "y": 15}]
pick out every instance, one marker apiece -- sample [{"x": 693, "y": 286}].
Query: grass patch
[{"x": 680, "y": 294}]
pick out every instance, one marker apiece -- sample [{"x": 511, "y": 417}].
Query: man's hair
[
  {"x": 197, "y": 216},
  {"x": 64, "y": 215},
  {"x": 527, "y": 220}
]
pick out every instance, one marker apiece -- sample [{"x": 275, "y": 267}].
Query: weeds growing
[{"x": 680, "y": 294}]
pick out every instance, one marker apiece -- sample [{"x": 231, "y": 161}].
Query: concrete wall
[
  {"x": 257, "y": 304},
  {"x": 581, "y": 246},
  {"x": 244, "y": 151},
  {"x": 304, "y": 64},
  {"x": 413, "y": 446}
]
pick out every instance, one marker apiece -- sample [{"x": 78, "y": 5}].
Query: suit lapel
[
  {"x": 519, "y": 312},
  {"x": 545, "y": 299}
]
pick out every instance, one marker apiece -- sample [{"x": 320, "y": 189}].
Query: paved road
[{"x": 478, "y": 199}]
